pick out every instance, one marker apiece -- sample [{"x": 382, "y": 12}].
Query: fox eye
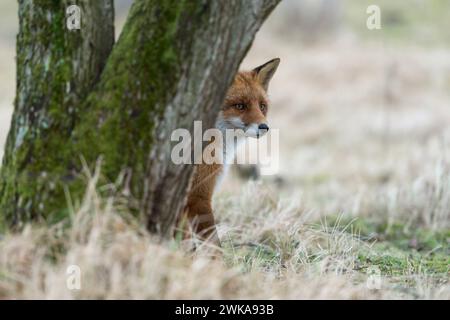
[
  {"x": 263, "y": 107},
  {"x": 240, "y": 106}
]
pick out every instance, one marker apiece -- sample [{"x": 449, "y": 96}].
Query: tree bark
[
  {"x": 56, "y": 70},
  {"x": 171, "y": 66}
]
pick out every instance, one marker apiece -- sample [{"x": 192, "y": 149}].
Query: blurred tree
[{"x": 78, "y": 98}]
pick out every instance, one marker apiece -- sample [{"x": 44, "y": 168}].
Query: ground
[{"x": 358, "y": 210}]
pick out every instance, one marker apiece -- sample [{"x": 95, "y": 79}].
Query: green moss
[
  {"x": 133, "y": 90},
  {"x": 32, "y": 169}
]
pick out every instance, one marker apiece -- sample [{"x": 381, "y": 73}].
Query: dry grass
[{"x": 271, "y": 251}]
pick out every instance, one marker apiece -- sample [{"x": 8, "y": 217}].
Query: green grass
[
  {"x": 398, "y": 235},
  {"x": 394, "y": 262},
  {"x": 399, "y": 253},
  {"x": 398, "y": 250}
]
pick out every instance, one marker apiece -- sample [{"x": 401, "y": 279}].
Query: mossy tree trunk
[
  {"x": 56, "y": 71},
  {"x": 171, "y": 66}
]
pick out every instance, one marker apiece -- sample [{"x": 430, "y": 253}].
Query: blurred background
[{"x": 361, "y": 111}]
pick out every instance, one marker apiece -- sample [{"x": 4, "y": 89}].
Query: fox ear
[{"x": 265, "y": 72}]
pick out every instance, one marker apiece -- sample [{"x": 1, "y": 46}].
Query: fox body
[{"x": 244, "y": 109}]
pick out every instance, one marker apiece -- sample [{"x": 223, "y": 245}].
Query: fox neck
[{"x": 228, "y": 148}]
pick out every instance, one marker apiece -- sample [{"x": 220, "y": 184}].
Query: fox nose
[{"x": 263, "y": 126}]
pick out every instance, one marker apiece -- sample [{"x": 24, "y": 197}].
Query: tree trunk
[
  {"x": 171, "y": 66},
  {"x": 56, "y": 70}
]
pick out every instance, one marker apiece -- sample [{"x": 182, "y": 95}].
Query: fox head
[{"x": 246, "y": 103}]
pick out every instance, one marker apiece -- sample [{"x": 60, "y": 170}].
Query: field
[{"x": 359, "y": 210}]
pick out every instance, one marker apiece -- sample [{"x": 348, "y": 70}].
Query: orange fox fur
[{"x": 245, "y": 107}]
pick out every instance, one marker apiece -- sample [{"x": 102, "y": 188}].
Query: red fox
[{"x": 245, "y": 108}]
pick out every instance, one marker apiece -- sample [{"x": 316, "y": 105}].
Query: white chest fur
[{"x": 229, "y": 154}]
